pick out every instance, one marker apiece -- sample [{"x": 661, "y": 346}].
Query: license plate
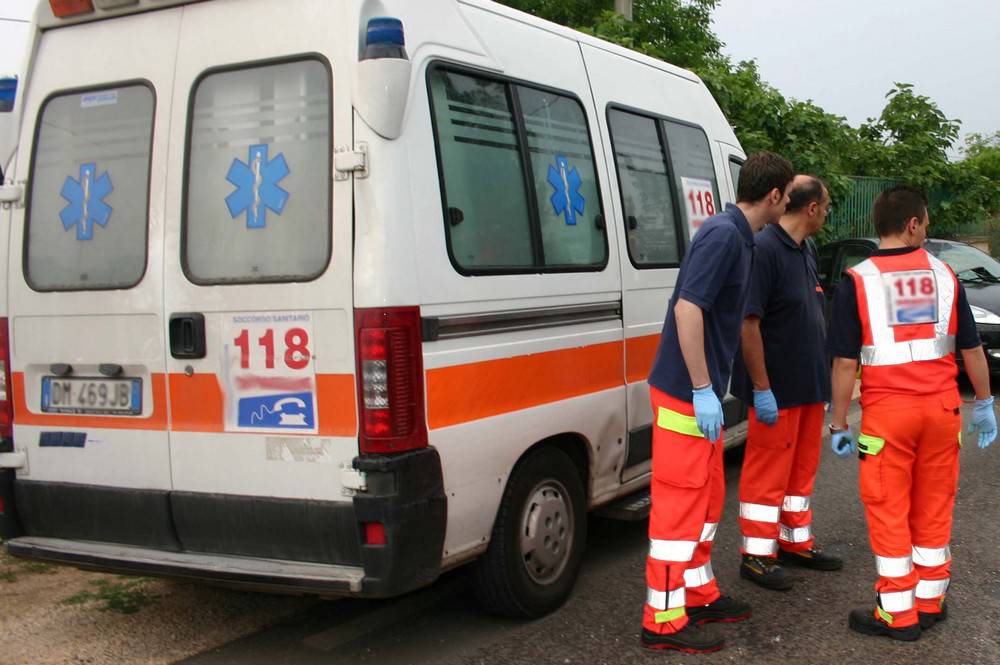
[{"x": 91, "y": 395}]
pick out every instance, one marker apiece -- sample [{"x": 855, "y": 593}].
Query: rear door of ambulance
[
  {"x": 258, "y": 288},
  {"x": 86, "y": 284}
]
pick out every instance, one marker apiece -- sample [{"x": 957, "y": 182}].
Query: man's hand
[
  {"x": 765, "y": 406},
  {"x": 708, "y": 413},
  {"x": 842, "y": 443},
  {"x": 984, "y": 421}
]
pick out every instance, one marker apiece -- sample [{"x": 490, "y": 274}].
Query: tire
[{"x": 538, "y": 538}]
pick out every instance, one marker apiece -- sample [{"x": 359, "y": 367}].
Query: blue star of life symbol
[
  {"x": 86, "y": 205},
  {"x": 256, "y": 182},
  {"x": 566, "y": 198}
]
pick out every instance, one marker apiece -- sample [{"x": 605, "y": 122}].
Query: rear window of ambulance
[
  {"x": 258, "y": 188},
  {"x": 89, "y": 190}
]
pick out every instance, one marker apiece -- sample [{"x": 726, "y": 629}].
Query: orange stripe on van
[
  {"x": 639, "y": 355},
  {"x": 157, "y": 420},
  {"x": 463, "y": 393},
  {"x": 198, "y": 405},
  {"x": 338, "y": 406}
]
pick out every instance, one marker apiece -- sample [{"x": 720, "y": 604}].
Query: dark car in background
[{"x": 977, "y": 271}]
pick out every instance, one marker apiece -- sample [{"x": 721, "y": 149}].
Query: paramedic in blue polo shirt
[
  {"x": 783, "y": 373},
  {"x": 690, "y": 376}
]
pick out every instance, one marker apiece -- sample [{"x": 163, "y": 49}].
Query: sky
[
  {"x": 842, "y": 54},
  {"x": 845, "y": 54}
]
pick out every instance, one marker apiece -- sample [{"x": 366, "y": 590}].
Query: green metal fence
[{"x": 851, "y": 216}]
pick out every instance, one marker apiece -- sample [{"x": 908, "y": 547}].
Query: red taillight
[
  {"x": 64, "y": 8},
  {"x": 390, "y": 379},
  {"x": 6, "y": 401},
  {"x": 374, "y": 533}
]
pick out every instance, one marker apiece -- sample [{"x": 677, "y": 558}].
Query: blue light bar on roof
[
  {"x": 384, "y": 39},
  {"x": 8, "y": 93}
]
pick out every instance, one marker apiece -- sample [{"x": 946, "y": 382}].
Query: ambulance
[{"x": 329, "y": 297}]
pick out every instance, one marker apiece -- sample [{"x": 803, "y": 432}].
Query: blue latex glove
[
  {"x": 984, "y": 421},
  {"x": 843, "y": 444},
  {"x": 708, "y": 413},
  {"x": 766, "y": 406}
]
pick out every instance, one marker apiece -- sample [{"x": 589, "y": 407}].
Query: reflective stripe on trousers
[
  {"x": 931, "y": 556},
  {"x": 760, "y": 546},
  {"x": 795, "y": 535},
  {"x": 662, "y": 600},
  {"x": 671, "y": 550},
  {"x": 758, "y": 512},
  {"x": 795, "y": 504},
  {"x": 699, "y": 576},
  {"x": 930, "y": 589},
  {"x": 897, "y": 601},
  {"x": 898, "y": 566}
]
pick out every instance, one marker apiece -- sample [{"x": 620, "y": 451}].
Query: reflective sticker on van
[
  {"x": 86, "y": 201},
  {"x": 268, "y": 374},
  {"x": 566, "y": 197},
  {"x": 257, "y": 190}
]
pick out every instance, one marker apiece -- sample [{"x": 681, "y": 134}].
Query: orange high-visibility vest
[{"x": 907, "y": 305}]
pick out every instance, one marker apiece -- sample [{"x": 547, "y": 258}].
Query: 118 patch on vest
[{"x": 912, "y": 297}]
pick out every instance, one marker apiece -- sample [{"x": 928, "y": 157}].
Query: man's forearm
[
  {"x": 978, "y": 371},
  {"x": 753, "y": 353},
  {"x": 691, "y": 336},
  {"x": 845, "y": 371}
]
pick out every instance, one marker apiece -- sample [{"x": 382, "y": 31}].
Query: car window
[
  {"x": 853, "y": 255},
  {"x": 87, "y": 213},
  {"x": 963, "y": 259},
  {"x": 824, "y": 262},
  {"x": 258, "y": 176}
]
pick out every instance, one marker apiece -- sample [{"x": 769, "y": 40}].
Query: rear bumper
[{"x": 264, "y": 543}]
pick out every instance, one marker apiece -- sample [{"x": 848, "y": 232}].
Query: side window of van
[
  {"x": 257, "y": 202},
  {"x": 735, "y": 167},
  {"x": 88, "y": 207},
  {"x": 646, "y": 190},
  {"x": 518, "y": 176},
  {"x": 694, "y": 172}
]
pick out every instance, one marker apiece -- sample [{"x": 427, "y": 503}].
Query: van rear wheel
[{"x": 538, "y": 538}]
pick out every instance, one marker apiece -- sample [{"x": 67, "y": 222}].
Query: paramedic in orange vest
[
  {"x": 689, "y": 378},
  {"x": 784, "y": 372},
  {"x": 903, "y": 313}
]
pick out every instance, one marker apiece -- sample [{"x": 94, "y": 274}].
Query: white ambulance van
[{"x": 330, "y": 297}]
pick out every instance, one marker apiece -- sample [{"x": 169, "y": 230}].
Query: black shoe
[
  {"x": 765, "y": 572},
  {"x": 928, "y": 619},
  {"x": 814, "y": 558},
  {"x": 725, "y": 609},
  {"x": 863, "y": 621},
  {"x": 689, "y": 639}
]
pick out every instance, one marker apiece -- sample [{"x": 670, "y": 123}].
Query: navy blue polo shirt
[
  {"x": 845, "y": 325},
  {"x": 714, "y": 276},
  {"x": 785, "y": 294}
]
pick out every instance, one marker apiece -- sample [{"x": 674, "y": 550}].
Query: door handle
[{"x": 187, "y": 336}]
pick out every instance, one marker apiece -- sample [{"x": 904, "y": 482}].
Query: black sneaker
[
  {"x": 725, "y": 609},
  {"x": 689, "y": 639},
  {"x": 928, "y": 619},
  {"x": 765, "y": 572},
  {"x": 814, "y": 558},
  {"x": 863, "y": 621}
]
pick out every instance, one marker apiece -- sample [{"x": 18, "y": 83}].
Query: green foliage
[
  {"x": 125, "y": 596},
  {"x": 909, "y": 141}
]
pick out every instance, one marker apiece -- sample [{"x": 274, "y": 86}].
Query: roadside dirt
[{"x": 59, "y": 615}]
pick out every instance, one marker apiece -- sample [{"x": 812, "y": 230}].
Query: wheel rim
[{"x": 546, "y": 531}]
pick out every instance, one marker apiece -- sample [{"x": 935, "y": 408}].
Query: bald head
[{"x": 804, "y": 190}]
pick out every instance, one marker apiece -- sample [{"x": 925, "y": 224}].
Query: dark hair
[
  {"x": 763, "y": 172},
  {"x": 804, "y": 193},
  {"x": 895, "y": 207}
]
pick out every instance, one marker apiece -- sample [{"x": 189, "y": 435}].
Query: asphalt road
[{"x": 600, "y": 623}]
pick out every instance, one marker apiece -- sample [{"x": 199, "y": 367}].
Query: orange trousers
[
  {"x": 776, "y": 485},
  {"x": 688, "y": 490},
  {"x": 908, "y": 489}
]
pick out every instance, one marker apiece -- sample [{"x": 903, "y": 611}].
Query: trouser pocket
[{"x": 681, "y": 455}]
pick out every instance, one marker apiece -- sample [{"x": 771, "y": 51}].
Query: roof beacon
[{"x": 385, "y": 39}]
